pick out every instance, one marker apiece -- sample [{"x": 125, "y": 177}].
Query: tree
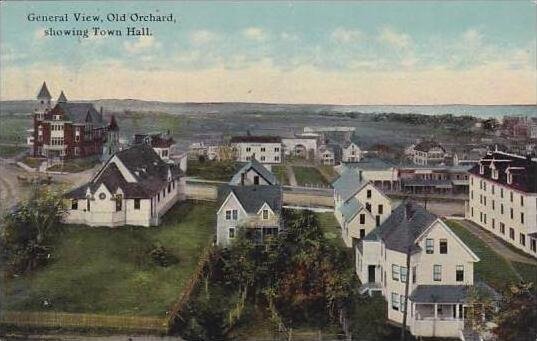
[
  {"x": 29, "y": 226},
  {"x": 518, "y": 314}
]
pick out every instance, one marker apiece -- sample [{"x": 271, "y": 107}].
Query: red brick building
[{"x": 67, "y": 130}]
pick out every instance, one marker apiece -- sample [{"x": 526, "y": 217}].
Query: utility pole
[{"x": 410, "y": 243}]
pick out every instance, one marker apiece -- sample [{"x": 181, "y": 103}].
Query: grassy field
[
  {"x": 309, "y": 176},
  {"x": 10, "y": 151},
  {"x": 329, "y": 171},
  {"x": 212, "y": 170},
  {"x": 13, "y": 128},
  {"x": 108, "y": 271},
  {"x": 281, "y": 174},
  {"x": 330, "y": 227},
  {"x": 493, "y": 268},
  {"x": 527, "y": 271},
  {"x": 76, "y": 165}
]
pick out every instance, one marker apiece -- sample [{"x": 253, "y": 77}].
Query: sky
[{"x": 352, "y": 52}]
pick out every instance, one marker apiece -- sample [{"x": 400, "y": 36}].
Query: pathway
[
  {"x": 497, "y": 245},
  {"x": 291, "y": 175}
]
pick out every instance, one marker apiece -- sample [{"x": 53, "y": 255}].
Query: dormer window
[
  {"x": 265, "y": 214},
  {"x": 495, "y": 174},
  {"x": 509, "y": 178},
  {"x": 481, "y": 169}
]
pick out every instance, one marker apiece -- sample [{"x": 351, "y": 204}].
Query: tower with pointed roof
[
  {"x": 43, "y": 102},
  {"x": 62, "y": 98},
  {"x": 111, "y": 145}
]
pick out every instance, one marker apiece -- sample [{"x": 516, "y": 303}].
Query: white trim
[{"x": 231, "y": 194}]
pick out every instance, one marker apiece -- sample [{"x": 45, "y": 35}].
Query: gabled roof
[
  {"x": 425, "y": 146},
  {"x": 256, "y": 167},
  {"x": 44, "y": 93},
  {"x": 406, "y": 223},
  {"x": 252, "y": 198},
  {"x": 150, "y": 172},
  {"x": 350, "y": 209},
  {"x": 349, "y": 183},
  {"x": 79, "y": 113}
]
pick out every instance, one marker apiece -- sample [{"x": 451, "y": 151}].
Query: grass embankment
[
  {"x": 212, "y": 170},
  {"x": 75, "y": 165},
  {"x": 492, "y": 267},
  {"x": 281, "y": 174},
  {"x": 11, "y": 151},
  {"x": 329, "y": 172},
  {"x": 309, "y": 176},
  {"x": 108, "y": 271},
  {"x": 330, "y": 227}
]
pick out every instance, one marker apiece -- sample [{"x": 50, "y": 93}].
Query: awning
[{"x": 439, "y": 294}]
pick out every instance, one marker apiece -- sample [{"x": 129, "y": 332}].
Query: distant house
[
  {"x": 301, "y": 145},
  {"x": 440, "y": 272},
  {"x": 254, "y": 208},
  {"x": 329, "y": 154},
  {"x": 428, "y": 153},
  {"x": 359, "y": 206},
  {"x": 134, "y": 187},
  {"x": 161, "y": 142},
  {"x": 253, "y": 173},
  {"x": 351, "y": 152},
  {"x": 383, "y": 175},
  {"x": 67, "y": 130},
  {"x": 265, "y": 149}
]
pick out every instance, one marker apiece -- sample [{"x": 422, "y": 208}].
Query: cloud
[
  {"x": 393, "y": 38},
  {"x": 254, "y": 33},
  {"x": 201, "y": 37},
  {"x": 143, "y": 43},
  {"x": 345, "y": 36}
]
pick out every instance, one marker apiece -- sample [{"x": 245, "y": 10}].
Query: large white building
[
  {"x": 265, "y": 149},
  {"x": 503, "y": 198},
  {"x": 359, "y": 205},
  {"x": 351, "y": 152},
  {"x": 427, "y": 153},
  {"x": 439, "y": 275},
  {"x": 134, "y": 187}
]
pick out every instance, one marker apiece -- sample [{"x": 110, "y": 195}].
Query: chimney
[
  {"x": 101, "y": 111},
  {"x": 360, "y": 174}
]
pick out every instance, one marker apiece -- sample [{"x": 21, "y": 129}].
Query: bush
[{"x": 162, "y": 257}]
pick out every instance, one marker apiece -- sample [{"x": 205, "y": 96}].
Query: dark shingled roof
[
  {"x": 406, "y": 223},
  {"x": 425, "y": 146},
  {"x": 44, "y": 93},
  {"x": 524, "y": 170},
  {"x": 348, "y": 183},
  {"x": 79, "y": 113},
  {"x": 256, "y": 139},
  {"x": 257, "y": 167},
  {"x": 252, "y": 198},
  {"x": 439, "y": 294},
  {"x": 147, "y": 167},
  {"x": 62, "y": 98}
]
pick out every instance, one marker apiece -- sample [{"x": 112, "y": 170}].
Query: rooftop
[
  {"x": 256, "y": 139},
  {"x": 252, "y": 198}
]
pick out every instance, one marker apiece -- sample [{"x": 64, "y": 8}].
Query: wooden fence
[{"x": 84, "y": 321}]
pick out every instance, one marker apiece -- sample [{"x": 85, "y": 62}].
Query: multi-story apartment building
[
  {"x": 265, "y": 149},
  {"x": 359, "y": 205},
  {"x": 67, "y": 130},
  {"x": 503, "y": 198},
  {"x": 428, "y": 153},
  {"x": 439, "y": 273}
]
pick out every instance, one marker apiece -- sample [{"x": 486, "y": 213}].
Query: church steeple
[
  {"x": 62, "y": 98},
  {"x": 44, "y": 93}
]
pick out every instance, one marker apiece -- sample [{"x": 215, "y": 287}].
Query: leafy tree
[{"x": 518, "y": 314}]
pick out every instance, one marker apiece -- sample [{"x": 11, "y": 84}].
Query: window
[
  {"x": 511, "y": 213},
  {"x": 511, "y": 196},
  {"x": 369, "y": 194},
  {"x": 158, "y": 197},
  {"x": 493, "y": 224},
  {"x": 169, "y": 187},
  {"x": 362, "y": 218},
  {"x": 102, "y": 196},
  {"x": 522, "y": 217},
  {"x": 522, "y": 239},
  {"x": 493, "y": 205},
  {"x": 501, "y": 208},
  {"x": 235, "y": 214},
  {"x": 228, "y": 215},
  {"x": 395, "y": 301},
  {"x": 429, "y": 246},
  {"x": 265, "y": 214},
  {"x": 437, "y": 273},
  {"x": 443, "y": 246},
  {"x": 165, "y": 153},
  {"x": 414, "y": 274},
  {"x": 248, "y": 149},
  {"x": 459, "y": 273},
  {"x": 119, "y": 202},
  {"x": 381, "y": 209},
  {"x": 277, "y": 158},
  {"x": 277, "y": 149},
  {"x": 368, "y": 206},
  {"x": 88, "y": 205},
  {"x": 74, "y": 204},
  {"x": 137, "y": 203},
  {"x": 501, "y": 193},
  {"x": 262, "y": 149},
  {"x": 362, "y": 233},
  {"x": 402, "y": 304},
  {"x": 395, "y": 272},
  {"x": 534, "y": 245},
  {"x": 404, "y": 273},
  {"x": 521, "y": 201},
  {"x": 502, "y": 228},
  {"x": 262, "y": 158},
  {"x": 512, "y": 233},
  {"x": 377, "y": 220},
  {"x": 231, "y": 232}
]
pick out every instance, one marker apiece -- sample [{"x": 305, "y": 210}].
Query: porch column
[
  {"x": 457, "y": 311},
  {"x": 435, "y": 311}
]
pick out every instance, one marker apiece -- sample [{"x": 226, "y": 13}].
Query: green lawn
[
  {"x": 212, "y": 170},
  {"x": 76, "y": 165},
  {"x": 330, "y": 228},
  {"x": 527, "y": 271},
  {"x": 10, "y": 151},
  {"x": 329, "y": 171},
  {"x": 108, "y": 271},
  {"x": 281, "y": 174},
  {"x": 492, "y": 268},
  {"x": 13, "y": 128},
  {"x": 309, "y": 176}
]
